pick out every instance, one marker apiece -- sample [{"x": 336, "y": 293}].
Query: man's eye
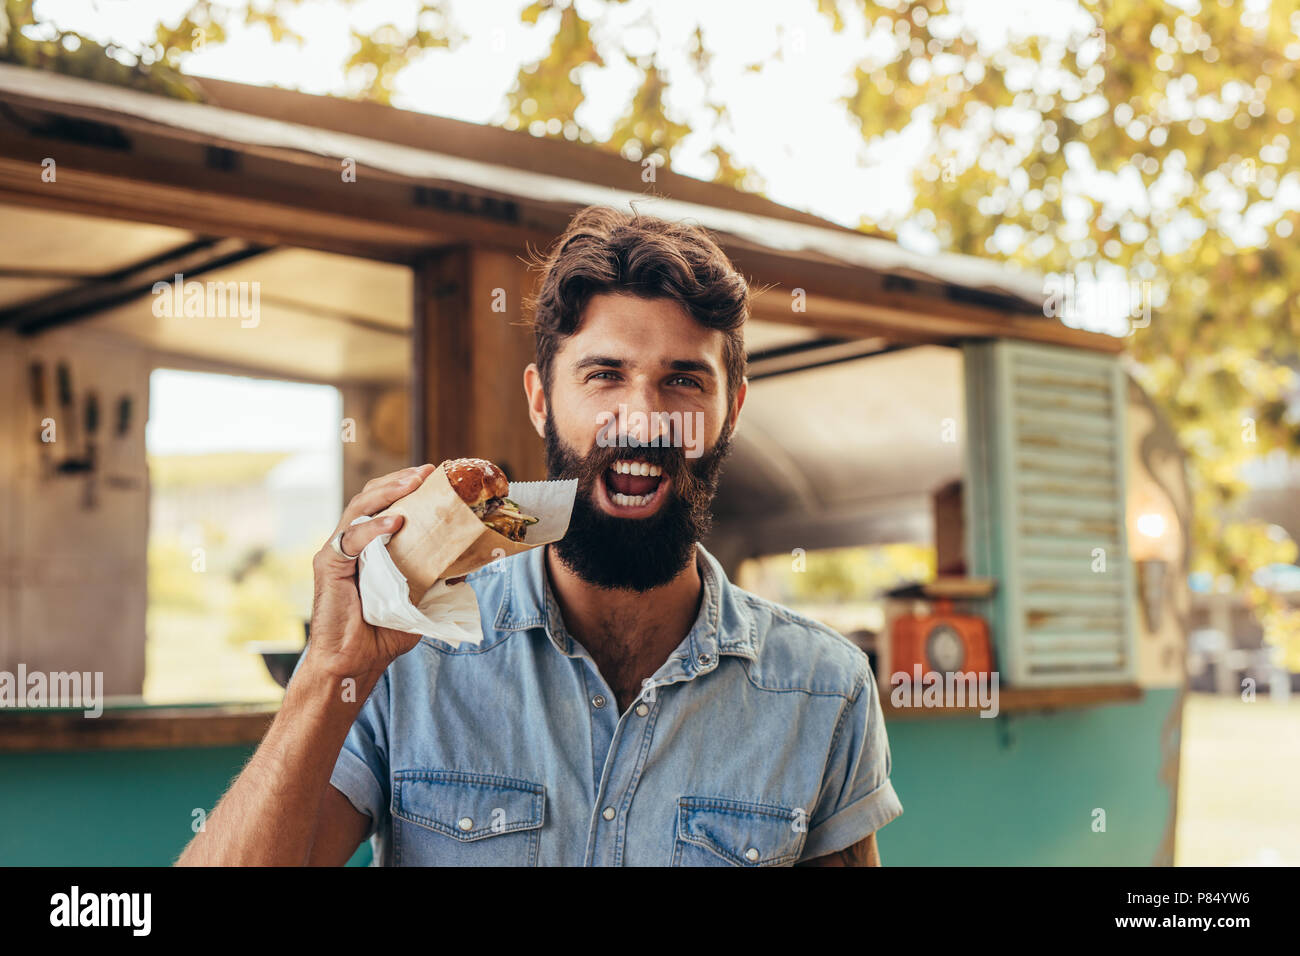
[
  {"x": 688, "y": 381},
  {"x": 595, "y": 374}
]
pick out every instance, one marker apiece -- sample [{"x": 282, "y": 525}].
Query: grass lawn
[{"x": 1239, "y": 783}]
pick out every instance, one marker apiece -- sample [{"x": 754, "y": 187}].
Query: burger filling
[
  {"x": 483, "y": 508},
  {"x": 503, "y": 516}
]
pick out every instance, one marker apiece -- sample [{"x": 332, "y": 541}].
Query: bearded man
[{"x": 628, "y": 704}]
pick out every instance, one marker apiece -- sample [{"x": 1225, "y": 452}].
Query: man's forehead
[{"x": 641, "y": 331}]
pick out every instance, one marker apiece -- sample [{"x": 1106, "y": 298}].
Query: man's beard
[{"x": 635, "y": 554}]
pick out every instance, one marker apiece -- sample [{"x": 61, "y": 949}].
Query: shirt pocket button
[
  {"x": 462, "y": 818},
  {"x": 717, "y": 831}
]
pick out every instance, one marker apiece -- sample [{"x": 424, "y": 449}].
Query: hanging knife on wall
[
  {"x": 71, "y": 464},
  {"x": 92, "y": 426},
  {"x": 122, "y": 429},
  {"x": 36, "y": 379},
  {"x": 67, "y": 413}
]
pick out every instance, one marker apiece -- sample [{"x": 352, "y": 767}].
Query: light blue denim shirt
[{"x": 759, "y": 742}]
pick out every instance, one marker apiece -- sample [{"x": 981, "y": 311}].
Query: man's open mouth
[{"x": 634, "y": 486}]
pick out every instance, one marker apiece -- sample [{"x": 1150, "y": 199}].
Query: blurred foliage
[
  {"x": 218, "y": 579},
  {"x": 838, "y": 574},
  {"x": 27, "y": 41},
  {"x": 218, "y": 468},
  {"x": 263, "y": 595},
  {"x": 1163, "y": 132},
  {"x": 380, "y": 55},
  {"x": 173, "y": 583},
  {"x": 262, "y": 607},
  {"x": 548, "y": 93},
  {"x": 857, "y": 573},
  {"x": 1281, "y": 625},
  {"x": 256, "y": 592}
]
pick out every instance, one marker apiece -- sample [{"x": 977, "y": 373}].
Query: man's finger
[
  {"x": 384, "y": 479},
  {"x": 377, "y": 497},
  {"x": 355, "y": 540}
]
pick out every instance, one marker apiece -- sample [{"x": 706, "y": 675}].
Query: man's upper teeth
[{"x": 637, "y": 468}]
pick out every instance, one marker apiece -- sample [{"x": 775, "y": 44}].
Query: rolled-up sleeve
[
  {"x": 361, "y": 769},
  {"x": 361, "y": 772},
  {"x": 857, "y": 797}
]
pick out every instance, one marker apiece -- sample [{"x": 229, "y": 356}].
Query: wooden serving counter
[
  {"x": 1023, "y": 700},
  {"x": 140, "y": 727}
]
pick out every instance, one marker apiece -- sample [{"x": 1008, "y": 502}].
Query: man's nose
[{"x": 644, "y": 422}]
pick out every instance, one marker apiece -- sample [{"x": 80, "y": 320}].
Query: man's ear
[
  {"x": 537, "y": 410},
  {"x": 740, "y": 400}
]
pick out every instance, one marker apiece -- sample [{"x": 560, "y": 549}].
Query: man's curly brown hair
[{"x": 608, "y": 250}]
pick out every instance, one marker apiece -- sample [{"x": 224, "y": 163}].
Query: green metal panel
[
  {"x": 1021, "y": 790},
  {"x": 111, "y": 807},
  {"x": 1046, "y": 468}
]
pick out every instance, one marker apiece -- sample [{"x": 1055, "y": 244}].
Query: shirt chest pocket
[
  {"x": 714, "y": 831},
  {"x": 456, "y": 818}
]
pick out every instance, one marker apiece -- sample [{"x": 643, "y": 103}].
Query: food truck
[{"x": 895, "y": 399}]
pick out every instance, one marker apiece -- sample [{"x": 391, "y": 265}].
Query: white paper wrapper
[{"x": 451, "y": 612}]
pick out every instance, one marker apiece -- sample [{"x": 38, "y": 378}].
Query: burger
[{"x": 484, "y": 488}]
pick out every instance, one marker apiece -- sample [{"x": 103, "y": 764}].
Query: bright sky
[{"x": 192, "y": 412}]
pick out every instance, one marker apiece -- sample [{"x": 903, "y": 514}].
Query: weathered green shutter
[{"x": 1045, "y": 468}]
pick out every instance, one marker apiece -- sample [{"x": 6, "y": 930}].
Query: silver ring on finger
[{"x": 336, "y": 543}]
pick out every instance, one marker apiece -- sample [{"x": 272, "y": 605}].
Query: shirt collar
[{"x": 723, "y": 625}]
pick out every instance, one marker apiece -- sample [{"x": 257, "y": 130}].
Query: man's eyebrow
[
  {"x": 677, "y": 365},
  {"x": 692, "y": 365},
  {"x": 603, "y": 361}
]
